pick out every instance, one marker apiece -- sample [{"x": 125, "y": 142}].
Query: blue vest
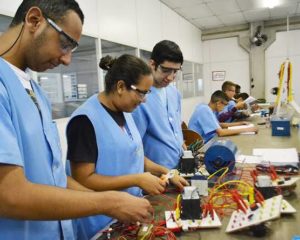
[
  {"x": 119, "y": 153},
  {"x": 33, "y": 144},
  {"x": 160, "y": 127}
]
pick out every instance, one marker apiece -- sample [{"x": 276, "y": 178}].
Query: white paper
[
  {"x": 242, "y": 127},
  {"x": 250, "y": 100},
  {"x": 277, "y": 156},
  {"x": 249, "y": 159}
]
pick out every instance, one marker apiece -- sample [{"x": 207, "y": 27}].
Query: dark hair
[
  {"x": 243, "y": 95},
  {"x": 54, "y": 9},
  {"x": 127, "y": 68},
  {"x": 166, "y": 51},
  {"x": 219, "y": 96},
  {"x": 226, "y": 85},
  {"x": 237, "y": 87}
]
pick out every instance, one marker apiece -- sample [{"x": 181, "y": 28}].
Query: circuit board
[
  {"x": 270, "y": 209},
  {"x": 187, "y": 225}
]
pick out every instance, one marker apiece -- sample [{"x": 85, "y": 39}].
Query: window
[
  {"x": 4, "y": 23},
  {"x": 115, "y": 50},
  {"x": 67, "y": 87},
  {"x": 198, "y": 77},
  {"x": 190, "y": 84},
  {"x": 187, "y": 80},
  {"x": 145, "y": 55}
]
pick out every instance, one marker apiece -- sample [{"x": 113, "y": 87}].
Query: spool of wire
[{"x": 220, "y": 154}]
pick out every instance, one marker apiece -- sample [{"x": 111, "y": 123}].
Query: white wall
[
  {"x": 285, "y": 46},
  {"x": 142, "y": 23},
  {"x": 188, "y": 107},
  {"x": 10, "y": 8},
  {"x": 225, "y": 55}
]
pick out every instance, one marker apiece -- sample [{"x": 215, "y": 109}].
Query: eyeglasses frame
[{"x": 74, "y": 44}]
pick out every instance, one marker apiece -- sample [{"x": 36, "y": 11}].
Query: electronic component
[
  {"x": 267, "y": 192},
  {"x": 187, "y": 165},
  {"x": 283, "y": 169},
  {"x": 190, "y": 204},
  {"x": 186, "y": 225},
  {"x": 169, "y": 175},
  {"x": 287, "y": 208},
  {"x": 191, "y": 216},
  {"x": 222, "y": 153},
  {"x": 270, "y": 209},
  {"x": 201, "y": 183},
  {"x": 264, "y": 181}
]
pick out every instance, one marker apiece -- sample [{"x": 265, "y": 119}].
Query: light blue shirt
[
  {"x": 204, "y": 122},
  {"x": 160, "y": 127},
  {"x": 33, "y": 144},
  {"x": 119, "y": 153}
]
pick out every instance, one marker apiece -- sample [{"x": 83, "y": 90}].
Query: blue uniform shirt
[
  {"x": 160, "y": 127},
  {"x": 33, "y": 144},
  {"x": 119, "y": 153},
  {"x": 204, "y": 122}
]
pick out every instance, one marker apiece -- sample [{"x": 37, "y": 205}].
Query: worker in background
[
  {"x": 159, "y": 118},
  {"x": 226, "y": 115},
  {"x": 244, "y": 113},
  {"x": 237, "y": 91},
  {"x": 205, "y": 122},
  {"x": 104, "y": 146},
  {"x": 36, "y": 196}
]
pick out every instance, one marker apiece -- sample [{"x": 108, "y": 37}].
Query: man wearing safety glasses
[
  {"x": 36, "y": 196},
  {"x": 159, "y": 118}
]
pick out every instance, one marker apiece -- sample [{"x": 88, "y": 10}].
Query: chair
[
  {"x": 183, "y": 125},
  {"x": 190, "y": 136}
]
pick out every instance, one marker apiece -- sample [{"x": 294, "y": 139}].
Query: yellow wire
[
  {"x": 177, "y": 210},
  {"x": 221, "y": 169},
  {"x": 290, "y": 93},
  {"x": 280, "y": 83},
  {"x": 250, "y": 193}
]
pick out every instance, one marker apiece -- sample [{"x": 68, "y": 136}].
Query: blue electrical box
[{"x": 281, "y": 126}]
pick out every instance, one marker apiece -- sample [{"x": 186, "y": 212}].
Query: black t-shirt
[{"x": 81, "y": 138}]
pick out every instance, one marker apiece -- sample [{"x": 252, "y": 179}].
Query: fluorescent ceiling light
[{"x": 271, "y": 3}]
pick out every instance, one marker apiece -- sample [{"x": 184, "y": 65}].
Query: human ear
[
  {"x": 34, "y": 18},
  {"x": 152, "y": 64},
  {"x": 121, "y": 87}
]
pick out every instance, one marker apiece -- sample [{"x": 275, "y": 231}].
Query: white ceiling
[{"x": 207, "y": 14}]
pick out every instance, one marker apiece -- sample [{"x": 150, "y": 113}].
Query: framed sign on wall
[{"x": 218, "y": 75}]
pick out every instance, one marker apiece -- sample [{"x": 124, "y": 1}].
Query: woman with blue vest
[{"x": 104, "y": 146}]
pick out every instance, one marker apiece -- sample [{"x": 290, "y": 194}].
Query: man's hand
[
  {"x": 151, "y": 184},
  {"x": 130, "y": 209},
  {"x": 240, "y": 105},
  {"x": 244, "y": 123},
  {"x": 251, "y": 129},
  {"x": 179, "y": 181}
]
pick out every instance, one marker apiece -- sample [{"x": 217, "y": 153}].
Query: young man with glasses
[
  {"x": 36, "y": 196},
  {"x": 205, "y": 122},
  {"x": 159, "y": 118}
]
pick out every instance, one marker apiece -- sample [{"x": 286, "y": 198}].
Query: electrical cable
[{"x": 14, "y": 42}]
